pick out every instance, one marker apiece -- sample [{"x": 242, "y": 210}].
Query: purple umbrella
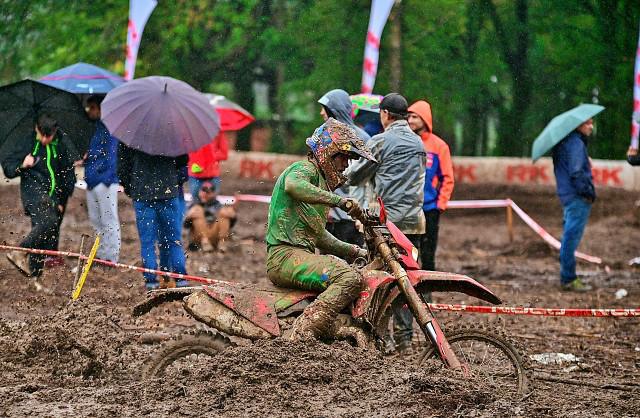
[{"x": 160, "y": 116}]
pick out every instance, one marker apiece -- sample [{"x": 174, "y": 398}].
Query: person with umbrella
[
  {"x": 567, "y": 137},
  {"x": 47, "y": 179},
  {"x": 158, "y": 121}
]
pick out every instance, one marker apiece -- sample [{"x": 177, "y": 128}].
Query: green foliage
[{"x": 495, "y": 71}]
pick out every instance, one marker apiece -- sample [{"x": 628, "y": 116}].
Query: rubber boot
[{"x": 314, "y": 322}]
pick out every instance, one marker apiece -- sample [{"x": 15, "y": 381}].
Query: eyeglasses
[{"x": 207, "y": 189}]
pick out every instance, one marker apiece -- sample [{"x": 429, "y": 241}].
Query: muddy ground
[{"x": 84, "y": 359}]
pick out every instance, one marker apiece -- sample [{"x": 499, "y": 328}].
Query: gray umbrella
[{"x": 160, "y": 116}]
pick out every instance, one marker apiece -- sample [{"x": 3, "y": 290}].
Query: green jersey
[{"x": 298, "y": 211}]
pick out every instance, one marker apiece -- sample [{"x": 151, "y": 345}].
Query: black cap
[{"x": 394, "y": 103}]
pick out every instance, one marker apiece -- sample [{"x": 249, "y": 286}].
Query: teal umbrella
[{"x": 561, "y": 126}]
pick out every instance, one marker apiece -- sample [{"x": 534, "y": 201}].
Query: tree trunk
[{"x": 395, "y": 54}]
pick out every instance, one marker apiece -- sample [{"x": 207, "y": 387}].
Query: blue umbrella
[
  {"x": 561, "y": 126},
  {"x": 83, "y": 78}
]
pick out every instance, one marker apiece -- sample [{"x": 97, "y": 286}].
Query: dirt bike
[{"x": 391, "y": 271}]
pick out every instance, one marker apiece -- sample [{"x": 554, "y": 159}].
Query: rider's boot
[{"x": 314, "y": 322}]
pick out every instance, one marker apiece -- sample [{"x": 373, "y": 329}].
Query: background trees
[{"x": 495, "y": 71}]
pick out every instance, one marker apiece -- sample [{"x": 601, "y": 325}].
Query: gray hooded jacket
[
  {"x": 339, "y": 104},
  {"x": 398, "y": 175}
]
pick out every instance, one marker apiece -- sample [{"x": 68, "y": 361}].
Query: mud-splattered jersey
[{"x": 298, "y": 211}]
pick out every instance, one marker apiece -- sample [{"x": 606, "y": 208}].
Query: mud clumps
[{"x": 316, "y": 379}]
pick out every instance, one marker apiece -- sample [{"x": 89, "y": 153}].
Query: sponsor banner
[{"x": 473, "y": 170}]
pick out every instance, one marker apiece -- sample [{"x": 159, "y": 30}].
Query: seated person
[{"x": 209, "y": 221}]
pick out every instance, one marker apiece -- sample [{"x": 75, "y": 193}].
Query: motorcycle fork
[{"x": 421, "y": 311}]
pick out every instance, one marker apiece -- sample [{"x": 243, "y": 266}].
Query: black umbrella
[
  {"x": 160, "y": 116},
  {"x": 22, "y": 102}
]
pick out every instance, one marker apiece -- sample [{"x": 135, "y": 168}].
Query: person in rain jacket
[
  {"x": 438, "y": 183},
  {"x": 574, "y": 184},
  {"x": 398, "y": 177},
  {"x": 102, "y": 184},
  {"x": 204, "y": 164},
  {"x": 47, "y": 178},
  {"x": 298, "y": 212},
  {"x": 337, "y": 104},
  {"x": 153, "y": 183}
]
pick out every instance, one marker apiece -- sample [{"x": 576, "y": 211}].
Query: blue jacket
[
  {"x": 572, "y": 169},
  {"x": 100, "y": 165}
]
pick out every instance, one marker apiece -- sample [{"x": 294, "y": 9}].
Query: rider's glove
[
  {"x": 352, "y": 207},
  {"x": 358, "y": 252}
]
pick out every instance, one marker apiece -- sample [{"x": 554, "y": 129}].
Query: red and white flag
[
  {"x": 139, "y": 12},
  {"x": 380, "y": 10},
  {"x": 635, "y": 118}
]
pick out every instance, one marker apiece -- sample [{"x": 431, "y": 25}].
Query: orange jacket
[
  {"x": 438, "y": 185},
  {"x": 204, "y": 163}
]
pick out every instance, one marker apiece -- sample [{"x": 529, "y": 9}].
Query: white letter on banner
[
  {"x": 139, "y": 12},
  {"x": 380, "y": 10}
]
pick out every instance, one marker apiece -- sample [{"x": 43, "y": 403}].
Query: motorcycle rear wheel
[
  {"x": 491, "y": 357},
  {"x": 184, "y": 350}
]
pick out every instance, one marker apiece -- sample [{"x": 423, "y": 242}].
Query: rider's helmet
[{"x": 331, "y": 138}]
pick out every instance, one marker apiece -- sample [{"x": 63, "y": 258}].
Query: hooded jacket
[
  {"x": 51, "y": 179},
  {"x": 398, "y": 175},
  {"x": 438, "y": 184},
  {"x": 339, "y": 104},
  {"x": 205, "y": 162},
  {"x": 572, "y": 169}
]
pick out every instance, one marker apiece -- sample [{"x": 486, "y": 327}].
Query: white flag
[
  {"x": 380, "y": 10},
  {"x": 635, "y": 118},
  {"x": 139, "y": 12}
]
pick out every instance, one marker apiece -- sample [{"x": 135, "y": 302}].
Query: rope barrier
[
  {"x": 517, "y": 310},
  {"x": 455, "y": 204},
  {"x": 199, "y": 279},
  {"x": 498, "y": 310}
]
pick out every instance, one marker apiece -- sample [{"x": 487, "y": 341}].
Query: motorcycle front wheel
[{"x": 490, "y": 356}]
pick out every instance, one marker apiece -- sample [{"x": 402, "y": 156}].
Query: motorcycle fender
[
  {"x": 438, "y": 281},
  {"x": 219, "y": 316}
]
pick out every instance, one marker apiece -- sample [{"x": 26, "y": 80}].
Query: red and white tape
[
  {"x": 454, "y": 204},
  {"x": 499, "y": 310},
  {"x": 518, "y": 310}
]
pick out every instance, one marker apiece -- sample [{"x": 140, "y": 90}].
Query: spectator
[
  {"x": 632, "y": 156},
  {"x": 152, "y": 182},
  {"x": 337, "y": 104},
  {"x": 575, "y": 189},
  {"x": 399, "y": 177},
  {"x": 438, "y": 183},
  {"x": 47, "y": 179},
  {"x": 209, "y": 221},
  {"x": 102, "y": 184},
  {"x": 204, "y": 164}
]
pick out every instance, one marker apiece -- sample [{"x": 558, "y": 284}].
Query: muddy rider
[{"x": 298, "y": 212}]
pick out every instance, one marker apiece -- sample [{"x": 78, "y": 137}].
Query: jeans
[
  {"x": 102, "y": 206},
  {"x": 161, "y": 221},
  {"x": 195, "y": 183},
  {"x": 575, "y": 217}
]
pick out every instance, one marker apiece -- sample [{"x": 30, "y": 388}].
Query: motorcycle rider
[{"x": 301, "y": 199}]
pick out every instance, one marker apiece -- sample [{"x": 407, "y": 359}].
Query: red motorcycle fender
[
  {"x": 372, "y": 280},
  {"x": 439, "y": 281},
  {"x": 257, "y": 307}
]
